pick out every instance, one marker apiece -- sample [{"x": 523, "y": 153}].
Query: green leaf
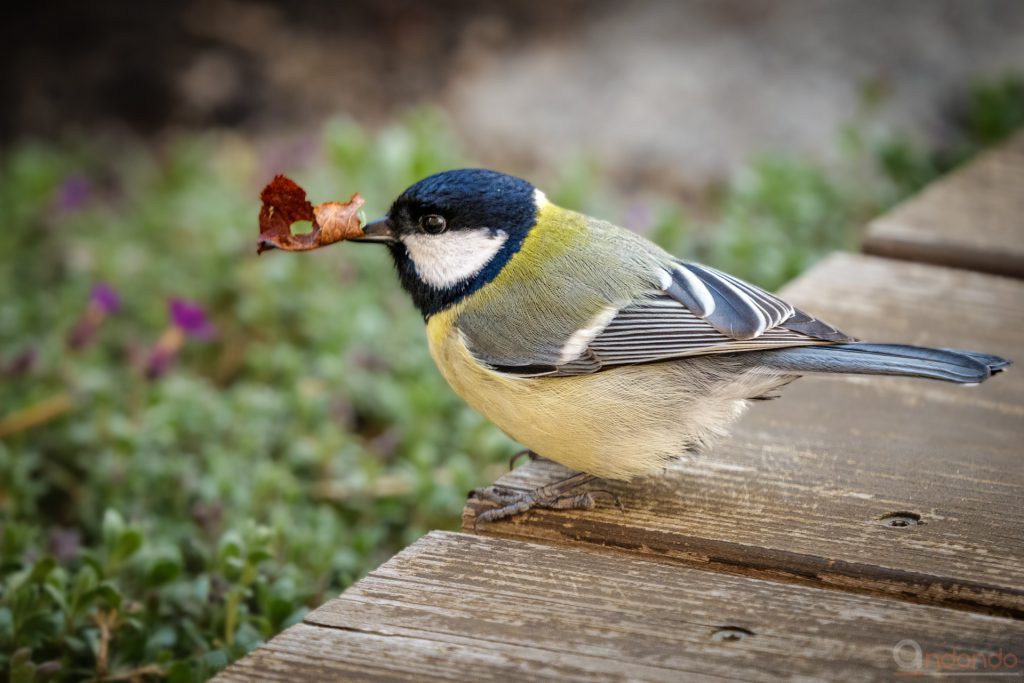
[
  {"x": 57, "y": 595},
  {"x": 234, "y": 565},
  {"x": 180, "y": 672},
  {"x": 35, "y": 627},
  {"x": 230, "y": 546},
  {"x": 128, "y": 543},
  {"x": 216, "y": 659},
  {"x": 41, "y": 570},
  {"x": 258, "y": 555},
  {"x": 113, "y": 526},
  {"x": 85, "y": 580},
  {"x": 90, "y": 560},
  {"x": 163, "y": 569},
  {"x": 6, "y": 624},
  {"x": 108, "y": 593}
]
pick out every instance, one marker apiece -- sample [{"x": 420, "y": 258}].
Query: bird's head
[{"x": 452, "y": 233}]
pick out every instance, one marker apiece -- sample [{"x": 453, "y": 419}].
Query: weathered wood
[
  {"x": 802, "y": 489},
  {"x": 973, "y": 218},
  {"x": 459, "y": 607}
]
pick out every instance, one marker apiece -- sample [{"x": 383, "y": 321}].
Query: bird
[{"x": 594, "y": 347}]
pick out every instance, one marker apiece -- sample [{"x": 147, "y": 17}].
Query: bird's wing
[
  {"x": 738, "y": 309},
  {"x": 697, "y": 311}
]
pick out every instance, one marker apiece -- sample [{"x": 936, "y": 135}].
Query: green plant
[{"x": 162, "y": 518}]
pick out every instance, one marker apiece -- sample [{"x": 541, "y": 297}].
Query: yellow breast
[{"x": 616, "y": 424}]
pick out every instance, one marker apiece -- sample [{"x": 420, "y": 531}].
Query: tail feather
[
  {"x": 951, "y": 365},
  {"x": 995, "y": 363}
]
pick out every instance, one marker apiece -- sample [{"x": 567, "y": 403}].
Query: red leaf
[{"x": 284, "y": 203}]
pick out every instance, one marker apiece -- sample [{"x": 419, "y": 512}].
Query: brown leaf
[
  {"x": 338, "y": 221},
  {"x": 284, "y": 203}
]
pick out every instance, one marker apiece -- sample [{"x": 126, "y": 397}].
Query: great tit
[{"x": 594, "y": 347}]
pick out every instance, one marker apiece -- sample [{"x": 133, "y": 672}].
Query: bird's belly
[{"x": 616, "y": 424}]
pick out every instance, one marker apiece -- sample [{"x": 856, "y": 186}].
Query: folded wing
[{"x": 697, "y": 311}]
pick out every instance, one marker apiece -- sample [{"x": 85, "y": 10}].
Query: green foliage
[
  {"x": 778, "y": 218},
  {"x": 992, "y": 111},
  {"x": 162, "y": 527},
  {"x": 167, "y": 526}
]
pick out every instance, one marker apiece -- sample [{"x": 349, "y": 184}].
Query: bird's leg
[
  {"x": 554, "y": 496},
  {"x": 515, "y": 458}
]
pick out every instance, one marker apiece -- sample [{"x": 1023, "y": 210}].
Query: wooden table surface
[
  {"x": 856, "y": 529},
  {"x": 973, "y": 218},
  {"x": 459, "y": 607},
  {"x": 804, "y": 487}
]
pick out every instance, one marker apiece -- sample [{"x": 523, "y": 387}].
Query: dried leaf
[{"x": 285, "y": 203}]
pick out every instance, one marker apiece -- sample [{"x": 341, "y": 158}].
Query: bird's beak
[{"x": 377, "y": 231}]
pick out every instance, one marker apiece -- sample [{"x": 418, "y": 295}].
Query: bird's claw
[
  {"x": 556, "y": 496},
  {"x": 613, "y": 496},
  {"x": 499, "y": 495},
  {"x": 515, "y": 458}
]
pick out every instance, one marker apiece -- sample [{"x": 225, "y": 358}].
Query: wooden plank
[
  {"x": 460, "y": 607},
  {"x": 973, "y": 218},
  {"x": 802, "y": 489}
]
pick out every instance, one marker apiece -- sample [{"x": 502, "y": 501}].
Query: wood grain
[
  {"x": 801, "y": 490},
  {"x": 972, "y": 218},
  {"x": 460, "y": 607}
]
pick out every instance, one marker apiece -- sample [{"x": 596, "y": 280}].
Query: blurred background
[{"x": 197, "y": 445}]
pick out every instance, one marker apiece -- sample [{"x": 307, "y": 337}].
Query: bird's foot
[
  {"x": 526, "y": 452},
  {"x": 556, "y": 496}
]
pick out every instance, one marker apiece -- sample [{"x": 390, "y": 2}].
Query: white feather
[
  {"x": 581, "y": 338},
  {"x": 699, "y": 291},
  {"x": 665, "y": 278},
  {"x": 762, "y": 321},
  {"x": 447, "y": 259}
]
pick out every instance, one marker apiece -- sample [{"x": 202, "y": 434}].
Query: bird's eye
[{"x": 433, "y": 224}]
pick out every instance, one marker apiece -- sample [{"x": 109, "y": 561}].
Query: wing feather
[
  {"x": 737, "y": 309},
  {"x": 698, "y": 311}
]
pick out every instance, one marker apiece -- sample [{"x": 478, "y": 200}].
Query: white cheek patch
[{"x": 447, "y": 259}]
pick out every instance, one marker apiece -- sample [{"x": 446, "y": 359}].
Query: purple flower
[
  {"x": 103, "y": 301},
  {"x": 105, "y": 297},
  {"x": 191, "y": 318},
  {"x": 188, "y": 319},
  {"x": 74, "y": 193}
]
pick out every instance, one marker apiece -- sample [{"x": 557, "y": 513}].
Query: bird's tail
[{"x": 950, "y": 365}]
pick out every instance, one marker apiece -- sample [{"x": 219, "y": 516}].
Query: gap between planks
[{"x": 972, "y": 218}]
